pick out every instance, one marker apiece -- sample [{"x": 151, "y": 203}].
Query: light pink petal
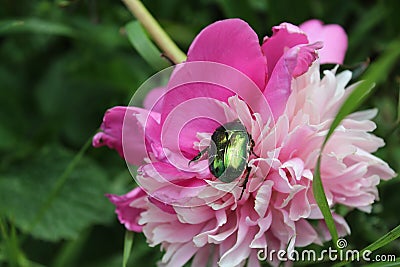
[
  {"x": 240, "y": 251},
  {"x": 333, "y": 36},
  {"x": 202, "y": 257},
  {"x": 253, "y": 259},
  {"x": 292, "y": 64},
  {"x": 284, "y": 36},
  {"x": 262, "y": 198},
  {"x": 300, "y": 207},
  {"x": 306, "y": 234},
  {"x": 195, "y": 215},
  {"x": 167, "y": 232},
  {"x": 181, "y": 255},
  {"x": 220, "y": 219},
  {"x": 342, "y": 227},
  {"x": 128, "y": 214},
  {"x": 232, "y": 42},
  {"x": 161, "y": 174}
]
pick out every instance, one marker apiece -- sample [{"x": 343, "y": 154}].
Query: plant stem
[{"x": 154, "y": 29}]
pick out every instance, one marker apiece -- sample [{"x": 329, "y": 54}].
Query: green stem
[
  {"x": 59, "y": 184},
  {"x": 160, "y": 37}
]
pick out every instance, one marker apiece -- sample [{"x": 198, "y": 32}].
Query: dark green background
[{"x": 64, "y": 63}]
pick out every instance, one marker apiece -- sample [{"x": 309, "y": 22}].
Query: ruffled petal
[
  {"x": 284, "y": 36},
  {"x": 295, "y": 62},
  {"x": 129, "y": 207},
  {"x": 111, "y": 127},
  {"x": 333, "y": 36},
  {"x": 123, "y": 130}
]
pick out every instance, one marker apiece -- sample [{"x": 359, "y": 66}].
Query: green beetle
[{"x": 229, "y": 152}]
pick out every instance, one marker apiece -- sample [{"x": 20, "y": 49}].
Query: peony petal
[
  {"x": 181, "y": 255},
  {"x": 111, "y": 127},
  {"x": 333, "y": 36},
  {"x": 306, "y": 234},
  {"x": 127, "y": 214},
  {"x": 293, "y": 63},
  {"x": 122, "y": 130},
  {"x": 180, "y": 127},
  {"x": 162, "y": 205},
  {"x": 284, "y": 36},
  {"x": 154, "y": 99},
  {"x": 199, "y": 80},
  {"x": 234, "y": 43}
]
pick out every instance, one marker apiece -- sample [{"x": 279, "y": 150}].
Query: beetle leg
[
  {"x": 198, "y": 156},
  {"x": 252, "y": 144},
  {"x": 246, "y": 179}
]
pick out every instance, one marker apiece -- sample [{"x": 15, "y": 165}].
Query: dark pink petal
[
  {"x": 162, "y": 205},
  {"x": 129, "y": 207},
  {"x": 234, "y": 43},
  {"x": 111, "y": 127},
  {"x": 284, "y": 36},
  {"x": 193, "y": 99},
  {"x": 182, "y": 124},
  {"x": 333, "y": 36},
  {"x": 153, "y": 100},
  {"x": 131, "y": 120},
  {"x": 293, "y": 63}
]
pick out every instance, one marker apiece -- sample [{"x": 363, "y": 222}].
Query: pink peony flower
[{"x": 276, "y": 92}]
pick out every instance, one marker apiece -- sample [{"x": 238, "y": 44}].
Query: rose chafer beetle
[{"x": 229, "y": 152}]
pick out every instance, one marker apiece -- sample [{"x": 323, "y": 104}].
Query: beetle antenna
[{"x": 198, "y": 156}]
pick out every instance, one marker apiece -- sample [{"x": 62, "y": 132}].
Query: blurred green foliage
[{"x": 63, "y": 63}]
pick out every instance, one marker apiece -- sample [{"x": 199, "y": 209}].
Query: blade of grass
[
  {"x": 33, "y": 25},
  {"x": 398, "y": 109},
  {"x": 384, "y": 240},
  {"x": 13, "y": 253},
  {"x": 62, "y": 179},
  {"x": 374, "y": 75},
  {"x": 144, "y": 46},
  {"x": 71, "y": 250},
  {"x": 384, "y": 263},
  {"x": 320, "y": 198},
  {"x": 7, "y": 25},
  {"x": 127, "y": 247}
]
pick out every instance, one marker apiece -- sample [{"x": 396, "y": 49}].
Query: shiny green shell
[{"x": 229, "y": 151}]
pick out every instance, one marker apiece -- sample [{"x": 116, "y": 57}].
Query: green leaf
[
  {"x": 54, "y": 195},
  {"x": 375, "y": 74},
  {"x": 127, "y": 247},
  {"x": 8, "y": 25},
  {"x": 138, "y": 38},
  {"x": 33, "y": 25}
]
